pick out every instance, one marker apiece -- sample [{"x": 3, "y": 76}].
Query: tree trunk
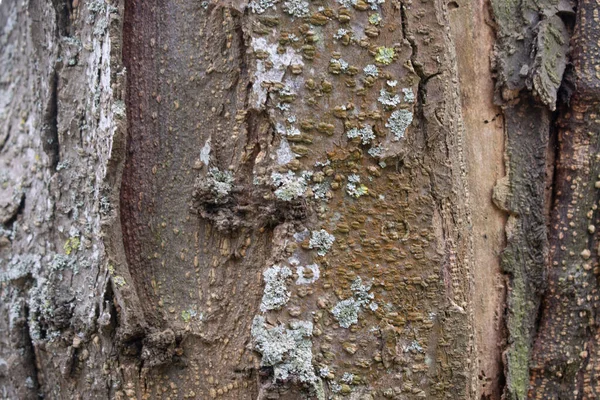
[{"x": 292, "y": 199}]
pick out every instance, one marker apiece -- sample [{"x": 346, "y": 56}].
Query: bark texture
[
  {"x": 292, "y": 199},
  {"x": 566, "y": 363},
  {"x": 548, "y": 86},
  {"x": 62, "y": 118},
  {"x": 530, "y": 58},
  {"x": 213, "y": 212}
]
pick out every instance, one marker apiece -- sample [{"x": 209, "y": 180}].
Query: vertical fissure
[
  {"x": 63, "y": 9},
  {"x": 50, "y": 140},
  {"x": 35, "y": 372}
]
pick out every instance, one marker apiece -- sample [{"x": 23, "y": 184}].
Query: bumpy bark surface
[
  {"x": 293, "y": 199},
  {"x": 284, "y": 214},
  {"x": 239, "y": 154},
  {"x": 566, "y": 362}
]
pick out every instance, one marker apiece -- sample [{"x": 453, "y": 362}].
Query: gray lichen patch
[
  {"x": 365, "y": 134},
  {"x": 389, "y": 100},
  {"x": 276, "y": 293},
  {"x": 371, "y": 70},
  {"x": 288, "y": 186},
  {"x": 287, "y": 350},
  {"x": 20, "y": 266},
  {"x": 296, "y": 8},
  {"x": 261, "y": 6},
  {"x": 398, "y": 122},
  {"x": 321, "y": 241},
  {"x": 346, "y": 311},
  {"x": 49, "y": 311},
  {"x": 215, "y": 187},
  {"x": 409, "y": 95},
  {"x": 375, "y": 151}
]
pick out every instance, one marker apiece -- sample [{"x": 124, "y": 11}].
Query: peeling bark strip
[
  {"x": 530, "y": 59},
  {"x": 522, "y": 195},
  {"x": 557, "y": 357},
  {"x": 313, "y": 151},
  {"x": 566, "y": 358}
]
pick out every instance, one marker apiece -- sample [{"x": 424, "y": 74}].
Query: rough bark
[
  {"x": 62, "y": 119},
  {"x": 565, "y": 362},
  {"x": 401, "y": 237},
  {"x": 549, "y": 194},
  {"x": 297, "y": 199}
]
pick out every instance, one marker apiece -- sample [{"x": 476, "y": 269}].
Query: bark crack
[{"x": 50, "y": 141}]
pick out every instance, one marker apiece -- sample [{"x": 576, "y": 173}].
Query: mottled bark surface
[
  {"x": 292, "y": 199},
  {"x": 217, "y": 89},
  {"x": 324, "y": 140},
  {"x": 60, "y": 116}
]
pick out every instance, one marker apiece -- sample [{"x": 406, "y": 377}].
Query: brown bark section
[
  {"x": 565, "y": 362},
  {"x": 196, "y": 262},
  {"x": 123, "y": 276},
  {"x": 187, "y": 83}
]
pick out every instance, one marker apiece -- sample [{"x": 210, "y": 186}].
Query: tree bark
[{"x": 290, "y": 199}]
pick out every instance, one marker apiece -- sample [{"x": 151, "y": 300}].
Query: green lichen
[
  {"x": 385, "y": 55},
  {"x": 374, "y": 19},
  {"x": 519, "y": 353},
  {"x": 72, "y": 244},
  {"x": 119, "y": 281},
  {"x": 186, "y": 316}
]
